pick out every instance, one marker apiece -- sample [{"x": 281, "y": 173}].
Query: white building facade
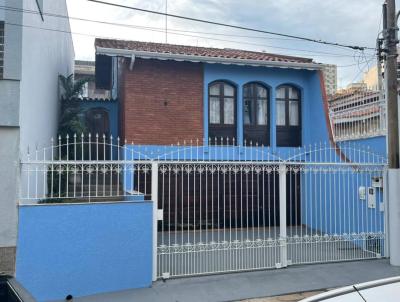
[
  {"x": 330, "y": 78},
  {"x": 35, "y": 49}
]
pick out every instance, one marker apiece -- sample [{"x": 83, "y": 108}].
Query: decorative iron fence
[{"x": 224, "y": 208}]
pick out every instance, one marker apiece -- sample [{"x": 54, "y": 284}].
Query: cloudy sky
[{"x": 355, "y": 22}]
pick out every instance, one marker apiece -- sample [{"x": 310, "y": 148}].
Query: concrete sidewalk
[
  {"x": 247, "y": 285},
  {"x": 285, "y": 298}
]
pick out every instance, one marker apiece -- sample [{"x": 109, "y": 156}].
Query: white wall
[
  {"x": 9, "y": 129},
  {"x": 45, "y": 55},
  {"x": 28, "y": 95},
  {"x": 2, "y": 3},
  {"x": 9, "y": 163}
]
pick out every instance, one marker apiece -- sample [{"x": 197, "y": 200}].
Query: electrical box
[
  {"x": 361, "y": 193},
  {"x": 160, "y": 214},
  {"x": 371, "y": 198},
  {"x": 377, "y": 182}
]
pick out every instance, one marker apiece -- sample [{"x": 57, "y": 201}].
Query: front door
[{"x": 97, "y": 121}]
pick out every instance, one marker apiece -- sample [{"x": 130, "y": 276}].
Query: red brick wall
[{"x": 162, "y": 102}]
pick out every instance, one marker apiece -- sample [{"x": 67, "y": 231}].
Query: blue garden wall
[
  {"x": 376, "y": 144},
  {"x": 84, "y": 249}
]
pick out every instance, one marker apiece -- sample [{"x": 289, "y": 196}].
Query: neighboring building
[
  {"x": 357, "y": 113},
  {"x": 30, "y": 61},
  {"x": 353, "y": 86},
  {"x": 99, "y": 111},
  {"x": 330, "y": 77},
  {"x": 370, "y": 78},
  {"x": 171, "y": 93},
  {"x": 86, "y": 70}
]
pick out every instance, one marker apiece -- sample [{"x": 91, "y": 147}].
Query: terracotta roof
[{"x": 205, "y": 52}]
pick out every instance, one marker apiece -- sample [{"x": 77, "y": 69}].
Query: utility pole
[
  {"x": 393, "y": 194},
  {"x": 390, "y": 36}
]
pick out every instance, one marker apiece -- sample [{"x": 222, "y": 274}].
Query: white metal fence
[{"x": 227, "y": 208}]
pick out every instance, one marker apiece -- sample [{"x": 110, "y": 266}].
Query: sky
[{"x": 355, "y": 22}]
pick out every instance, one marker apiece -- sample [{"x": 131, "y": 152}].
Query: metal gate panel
[{"x": 218, "y": 217}]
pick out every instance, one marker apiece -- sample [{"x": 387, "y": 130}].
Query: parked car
[
  {"x": 12, "y": 291},
  {"x": 387, "y": 290}
]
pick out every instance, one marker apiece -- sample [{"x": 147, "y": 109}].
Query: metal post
[
  {"x": 394, "y": 216},
  {"x": 282, "y": 214},
  {"x": 386, "y": 213},
  {"x": 391, "y": 85},
  {"x": 154, "y": 198},
  {"x": 390, "y": 35}
]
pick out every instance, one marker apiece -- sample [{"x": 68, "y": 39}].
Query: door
[{"x": 97, "y": 121}]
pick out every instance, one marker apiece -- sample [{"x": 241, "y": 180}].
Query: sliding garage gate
[{"x": 219, "y": 216}]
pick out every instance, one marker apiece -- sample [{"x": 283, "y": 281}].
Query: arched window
[
  {"x": 222, "y": 112},
  {"x": 288, "y": 116},
  {"x": 256, "y": 114}
]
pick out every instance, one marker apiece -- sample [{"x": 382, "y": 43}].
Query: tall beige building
[
  {"x": 370, "y": 78},
  {"x": 330, "y": 77}
]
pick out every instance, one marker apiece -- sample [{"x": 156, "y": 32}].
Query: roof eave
[{"x": 204, "y": 59}]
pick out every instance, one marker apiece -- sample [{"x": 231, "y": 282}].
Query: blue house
[
  {"x": 232, "y": 145},
  {"x": 174, "y": 93},
  {"x": 221, "y": 160}
]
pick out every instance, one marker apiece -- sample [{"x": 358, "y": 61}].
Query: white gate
[
  {"x": 227, "y": 208},
  {"x": 320, "y": 204}
]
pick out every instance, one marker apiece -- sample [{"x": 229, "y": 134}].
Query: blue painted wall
[
  {"x": 314, "y": 129},
  {"x": 83, "y": 249},
  {"x": 111, "y": 106},
  {"x": 376, "y": 144},
  {"x": 306, "y": 80}
]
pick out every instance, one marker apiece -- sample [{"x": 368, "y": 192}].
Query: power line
[
  {"x": 325, "y": 54},
  {"x": 9, "y": 8},
  {"x": 354, "y": 47},
  {"x": 171, "y": 30},
  {"x": 361, "y": 70}
]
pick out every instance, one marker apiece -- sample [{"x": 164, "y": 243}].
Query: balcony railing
[{"x": 362, "y": 121}]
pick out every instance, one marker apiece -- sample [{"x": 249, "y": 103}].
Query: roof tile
[{"x": 228, "y": 53}]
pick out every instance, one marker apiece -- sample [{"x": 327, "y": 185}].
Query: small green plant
[{"x": 70, "y": 121}]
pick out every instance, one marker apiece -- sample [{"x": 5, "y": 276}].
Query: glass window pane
[
  {"x": 247, "y": 91},
  {"x": 214, "y": 89},
  {"x": 229, "y": 111},
  {"x": 293, "y": 93},
  {"x": 280, "y": 93},
  {"x": 261, "y": 92},
  {"x": 293, "y": 113},
  {"x": 214, "y": 111},
  {"x": 262, "y": 112},
  {"x": 280, "y": 113},
  {"x": 247, "y": 112},
  {"x": 228, "y": 90}
]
